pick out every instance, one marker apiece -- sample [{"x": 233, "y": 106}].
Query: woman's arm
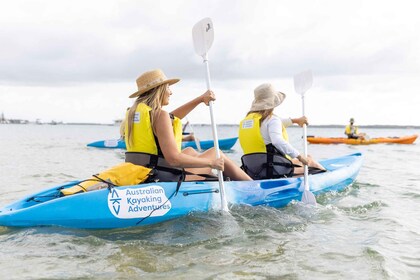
[
  {"x": 165, "y": 135},
  {"x": 274, "y": 128},
  {"x": 299, "y": 121},
  {"x": 185, "y": 109}
]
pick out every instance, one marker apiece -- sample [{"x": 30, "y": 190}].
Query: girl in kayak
[
  {"x": 264, "y": 140},
  {"x": 153, "y": 136}
]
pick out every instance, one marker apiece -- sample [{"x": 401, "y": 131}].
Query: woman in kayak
[
  {"x": 153, "y": 136},
  {"x": 264, "y": 140}
]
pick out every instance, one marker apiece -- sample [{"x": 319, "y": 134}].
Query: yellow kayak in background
[{"x": 341, "y": 140}]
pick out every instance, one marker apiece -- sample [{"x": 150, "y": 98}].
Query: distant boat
[
  {"x": 224, "y": 144},
  {"x": 341, "y": 140},
  {"x": 118, "y": 122}
]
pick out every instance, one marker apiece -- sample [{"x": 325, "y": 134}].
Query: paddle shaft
[
  {"x": 215, "y": 137},
  {"x": 305, "y": 146}
]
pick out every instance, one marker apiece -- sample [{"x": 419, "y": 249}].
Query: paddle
[
  {"x": 303, "y": 81},
  {"x": 203, "y": 35}
]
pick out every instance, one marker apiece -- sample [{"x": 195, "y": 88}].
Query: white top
[{"x": 271, "y": 130}]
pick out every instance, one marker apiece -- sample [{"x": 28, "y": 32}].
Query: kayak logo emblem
[
  {"x": 138, "y": 202},
  {"x": 115, "y": 201},
  {"x": 111, "y": 143}
]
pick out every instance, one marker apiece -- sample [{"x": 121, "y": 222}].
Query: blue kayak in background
[
  {"x": 224, "y": 144},
  {"x": 151, "y": 203}
]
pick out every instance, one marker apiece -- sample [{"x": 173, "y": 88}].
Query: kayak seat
[
  {"x": 162, "y": 171},
  {"x": 261, "y": 166}
]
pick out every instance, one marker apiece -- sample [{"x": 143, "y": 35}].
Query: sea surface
[{"x": 371, "y": 230}]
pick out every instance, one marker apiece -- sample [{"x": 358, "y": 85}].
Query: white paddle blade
[
  {"x": 203, "y": 35},
  {"x": 308, "y": 198},
  {"x": 303, "y": 81}
]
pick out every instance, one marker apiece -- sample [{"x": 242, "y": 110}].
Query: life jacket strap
[{"x": 162, "y": 171}]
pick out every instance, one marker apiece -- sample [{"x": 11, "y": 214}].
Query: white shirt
[{"x": 271, "y": 131}]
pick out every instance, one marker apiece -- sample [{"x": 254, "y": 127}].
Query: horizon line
[{"x": 227, "y": 124}]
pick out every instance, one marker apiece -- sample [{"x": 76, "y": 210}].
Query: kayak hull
[
  {"x": 340, "y": 140},
  {"x": 152, "y": 203},
  {"x": 224, "y": 144}
]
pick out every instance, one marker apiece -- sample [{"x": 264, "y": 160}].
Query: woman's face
[{"x": 166, "y": 95}]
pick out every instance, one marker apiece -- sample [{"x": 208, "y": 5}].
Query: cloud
[
  {"x": 47, "y": 42},
  {"x": 78, "y": 45}
]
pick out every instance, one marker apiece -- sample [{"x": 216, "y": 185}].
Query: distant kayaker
[
  {"x": 122, "y": 127},
  {"x": 264, "y": 139},
  {"x": 352, "y": 131},
  {"x": 153, "y": 136},
  {"x": 187, "y": 136}
]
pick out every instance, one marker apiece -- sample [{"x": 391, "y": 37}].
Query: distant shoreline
[{"x": 235, "y": 125}]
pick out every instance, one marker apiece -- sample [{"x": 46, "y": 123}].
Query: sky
[{"x": 77, "y": 61}]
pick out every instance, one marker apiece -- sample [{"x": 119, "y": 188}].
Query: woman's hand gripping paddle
[
  {"x": 303, "y": 82},
  {"x": 203, "y": 35}
]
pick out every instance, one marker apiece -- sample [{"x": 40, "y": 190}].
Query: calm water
[{"x": 369, "y": 231}]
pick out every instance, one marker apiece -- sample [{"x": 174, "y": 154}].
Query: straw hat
[
  {"x": 265, "y": 97},
  {"x": 151, "y": 79}
]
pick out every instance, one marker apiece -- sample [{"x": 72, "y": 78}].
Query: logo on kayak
[
  {"x": 138, "y": 202},
  {"x": 111, "y": 143}
]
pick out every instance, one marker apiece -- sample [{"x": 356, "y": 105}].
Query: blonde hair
[
  {"x": 152, "y": 98},
  {"x": 264, "y": 113}
]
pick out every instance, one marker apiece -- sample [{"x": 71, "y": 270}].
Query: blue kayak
[
  {"x": 224, "y": 144},
  {"x": 152, "y": 203}
]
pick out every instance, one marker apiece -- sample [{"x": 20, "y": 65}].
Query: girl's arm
[
  {"x": 165, "y": 135},
  {"x": 185, "y": 109}
]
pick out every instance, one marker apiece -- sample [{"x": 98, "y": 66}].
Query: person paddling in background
[
  {"x": 352, "y": 131},
  {"x": 122, "y": 127},
  {"x": 264, "y": 139},
  {"x": 153, "y": 136},
  {"x": 187, "y": 136}
]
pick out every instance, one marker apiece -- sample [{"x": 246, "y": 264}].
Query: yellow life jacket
[
  {"x": 143, "y": 139},
  {"x": 261, "y": 161},
  {"x": 250, "y": 136},
  {"x": 124, "y": 174},
  {"x": 350, "y": 130}
]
